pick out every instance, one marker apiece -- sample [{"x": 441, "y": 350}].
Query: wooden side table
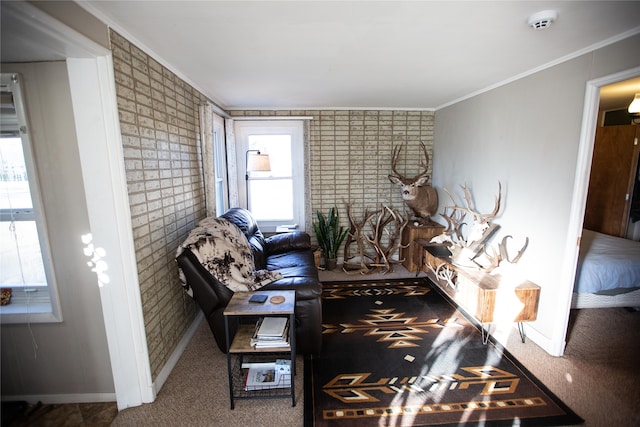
[
  {"x": 411, "y": 252},
  {"x": 239, "y": 346}
]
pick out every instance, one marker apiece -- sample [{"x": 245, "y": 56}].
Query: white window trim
[
  {"x": 295, "y": 127},
  {"x": 214, "y": 157},
  {"x": 220, "y": 160},
  {"x": 36, "y": 307}
]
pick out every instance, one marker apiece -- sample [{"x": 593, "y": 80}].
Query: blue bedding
[{"x": 607, "y": 264}]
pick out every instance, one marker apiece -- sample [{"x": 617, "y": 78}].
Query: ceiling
[{"x": 359, "y": 54}]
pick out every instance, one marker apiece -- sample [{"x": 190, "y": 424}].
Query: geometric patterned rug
[{"x": 398, "y": 353}]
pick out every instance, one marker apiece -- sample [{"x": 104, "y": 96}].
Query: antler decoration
[
  {"x": 497, "y": 258},
  {"x": 466, "y": 249},
  {"x": 381, "y": 234},
  {"x": 355, "y": 236},
  {"x": 446, "y": 273},
  {"x": 480, "y": 221}
]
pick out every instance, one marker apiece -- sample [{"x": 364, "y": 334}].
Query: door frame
[
  {"x": 580, "y": 190},
  {"x": 93, "y": 96},
  {"x": 95, "y": 111}
]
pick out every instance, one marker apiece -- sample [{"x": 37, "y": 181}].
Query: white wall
[
  {"x": 526, "y": 134},
  {"x": 71, "y": 362}
]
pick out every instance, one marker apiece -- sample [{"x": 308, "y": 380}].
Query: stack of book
[{"x": 271, "y": 332}]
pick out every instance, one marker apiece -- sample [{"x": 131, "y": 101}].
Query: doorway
[
  {"x": 590, "y": 119},
  {"x": 89, "y": 72},
  {"x": 583, "y": 172},
  {"x": 611, "y": 204}
]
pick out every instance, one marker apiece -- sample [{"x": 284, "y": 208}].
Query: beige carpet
[
  {"x": 599, "y": 375},
  {"x": 197, "y": 394},
  {"x": 598, "y": 378}
]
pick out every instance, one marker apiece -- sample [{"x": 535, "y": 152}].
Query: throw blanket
[{"x": 224, "y": 251}]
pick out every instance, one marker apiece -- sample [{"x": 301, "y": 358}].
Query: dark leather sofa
[{"x": 288, "y": 253}]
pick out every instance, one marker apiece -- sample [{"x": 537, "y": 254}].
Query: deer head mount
[{"x": 420, "y": 197}]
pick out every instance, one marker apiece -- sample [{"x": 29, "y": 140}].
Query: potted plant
[{"x": 330, "y": 236}]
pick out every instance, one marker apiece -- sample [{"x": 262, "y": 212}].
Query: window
[
  {"x": 24, "y": 252},
  {"x": 220, "y": 165},
  {"x": 275, "y": 197}
]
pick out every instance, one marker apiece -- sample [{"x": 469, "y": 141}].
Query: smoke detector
[{"x": 542, "y": 19}]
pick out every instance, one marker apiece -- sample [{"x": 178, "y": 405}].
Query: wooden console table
[
  {"x": 410, "y": 251},
  {"x": 489, "y": 299}
]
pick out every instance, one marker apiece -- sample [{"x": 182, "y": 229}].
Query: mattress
[{"x": 607, "y": 265}]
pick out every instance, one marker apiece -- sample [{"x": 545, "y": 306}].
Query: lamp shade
[
  {"x": 634, "y": 107},
  {"x": 257, "y": 162}
]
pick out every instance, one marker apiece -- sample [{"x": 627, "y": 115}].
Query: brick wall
[
  {"x": 159, "y": 121},
  {"x": 350, "y": 155}
]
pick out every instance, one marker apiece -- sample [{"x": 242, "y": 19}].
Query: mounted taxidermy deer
[{"x": 421, "y": 198}]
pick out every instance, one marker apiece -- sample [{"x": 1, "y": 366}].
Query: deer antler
[
  {"x": 394, "y": 161},
  {"x": 446, "y": 273},
  {"x": 425, "y": 165},
  {"x": 379, "y": 228},
  {"x": 454, "y": 223},
  {"x": 497, "y": 257},
  {"x": 455, "y": 218},
  {"x": 487, "y": 217},
  {"x": 470, "y": 208},
  {"x": 355, "y": 236},
  {"x": 503, "y": 250},
  {"x": 394, "y": 238}
]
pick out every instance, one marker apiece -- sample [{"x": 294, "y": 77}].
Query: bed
[{"x": 608, "y": 272}]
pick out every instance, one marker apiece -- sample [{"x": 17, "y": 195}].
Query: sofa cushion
[
  {"x": 243, "y": 219},
  {"x": 284, "y": 242},
  {"x": 298, "y": 272}
]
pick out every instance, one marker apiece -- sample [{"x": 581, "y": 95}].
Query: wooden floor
[{"x": 18, "y": 414}]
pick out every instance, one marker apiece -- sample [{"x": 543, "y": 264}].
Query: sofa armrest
[
  {"x": 207, "y": 290},
  {"x": 285, "y": 242}
]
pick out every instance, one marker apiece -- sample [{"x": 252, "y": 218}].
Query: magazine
[{"x": 262, "y": 376}]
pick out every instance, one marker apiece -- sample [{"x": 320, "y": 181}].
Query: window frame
[
  {"x": 25, "y": 306},
  {"x": 220, "y": 165},
  {"x": 294, "y": 128}
]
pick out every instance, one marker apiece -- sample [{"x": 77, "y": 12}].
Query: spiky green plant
[{"x": 329, "y": 233}]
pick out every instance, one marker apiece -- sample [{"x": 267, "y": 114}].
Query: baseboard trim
[
  {"x": 502, "y": 333},
  {"x": 543, "y": 341},
  {"x": 164, "y": 373},
  {"x": 111, "y": 397}
]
